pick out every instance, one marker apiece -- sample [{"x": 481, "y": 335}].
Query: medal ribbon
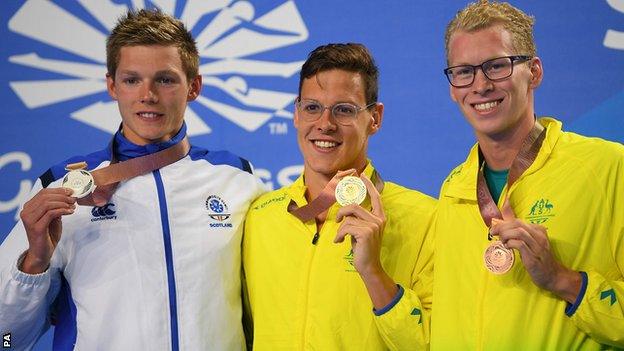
[
  {"x": 526, "y": 155},
  {"x": 106, "y": 179},
  {"x": 325, "y": 199}
]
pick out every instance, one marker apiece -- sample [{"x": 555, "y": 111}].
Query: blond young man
[{"x": 529, "y": 229}]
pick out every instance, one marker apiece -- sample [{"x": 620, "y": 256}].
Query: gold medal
[
  {"x": 350, "y": 190},
  {"x": 80, "y": 181},
  {"x": 498, "y": 259}
]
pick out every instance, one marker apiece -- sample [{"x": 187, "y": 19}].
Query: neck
[
  {"x": 315, "y": 183},
  {"x": 500, "y": 150}
]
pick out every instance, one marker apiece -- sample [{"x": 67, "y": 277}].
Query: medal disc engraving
[
  {"x": 498, "y": 259},
  {"x": 350, "y": 190},
  {"x": 80, "y": 181}
]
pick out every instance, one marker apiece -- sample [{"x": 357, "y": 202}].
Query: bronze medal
[{"x": 498, "y": 259}]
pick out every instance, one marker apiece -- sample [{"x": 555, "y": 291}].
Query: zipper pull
[{"x": 315, "y": 238}]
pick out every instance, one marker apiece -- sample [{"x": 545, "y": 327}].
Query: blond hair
[{"x": 484, "y": 14}]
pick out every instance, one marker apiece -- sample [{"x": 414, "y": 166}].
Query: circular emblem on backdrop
[
  {"x": 80, "y": 181},
  {"x": 350, "y": 190},
  {"x": 217, "y": 208}
]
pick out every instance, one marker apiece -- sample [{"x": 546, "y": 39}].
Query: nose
[
  {"x": 148, "y": 94},
  {"x": 326, "y": 122},
  {"x": 481, "y": 84}
]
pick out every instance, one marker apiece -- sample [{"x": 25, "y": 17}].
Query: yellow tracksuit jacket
[
  {"x": 303, "y": 296},
  {"x": 575, "y": 188}
]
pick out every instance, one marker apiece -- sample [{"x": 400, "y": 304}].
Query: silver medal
[{"x": 80, "y": 181}]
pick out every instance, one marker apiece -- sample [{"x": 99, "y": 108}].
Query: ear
[
  {"x": 376, "y": 118},
  {"x": 110, "y": 86},
  {"x": 537, "y": 72},
  {"x": 195, "y": 88}
]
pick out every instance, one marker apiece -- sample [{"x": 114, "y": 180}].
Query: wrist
[
  {"x": 381, "y": 288},
  {"x": 567, "y": 285},
  {"x": 371, "y": 272},
  {"x": 32, "y": 265}
]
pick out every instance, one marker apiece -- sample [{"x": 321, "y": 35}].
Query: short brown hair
[
  {"x": 350, "y": 57},
  {"x": 484, "y": 14},
  {"x": 152, "y": 27}
]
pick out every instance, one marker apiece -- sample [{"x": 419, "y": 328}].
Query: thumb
[{"x": 507, "y": 211}]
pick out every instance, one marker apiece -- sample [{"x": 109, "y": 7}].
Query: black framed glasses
[
  {"x": 344, "y": 113},
  {"x": 495, "y": 69}
]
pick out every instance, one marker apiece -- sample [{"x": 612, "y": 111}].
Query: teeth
[
  {"x": 324, "y": 144},
  {"x": 486, "y": 106},
  {"x": 148, "y": 114}
]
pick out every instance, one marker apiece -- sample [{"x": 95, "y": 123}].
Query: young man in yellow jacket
[
  {"x": 309, "y": 287},
  {"x": 529, "y": 234}
]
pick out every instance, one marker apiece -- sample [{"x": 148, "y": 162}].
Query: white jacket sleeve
[{"x": 25, "y": 299}]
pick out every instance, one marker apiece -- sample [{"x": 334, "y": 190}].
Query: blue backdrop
[{"x": 52, "y": 87}]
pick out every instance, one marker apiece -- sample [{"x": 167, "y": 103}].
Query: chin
[{"x": 323, "y": 169}]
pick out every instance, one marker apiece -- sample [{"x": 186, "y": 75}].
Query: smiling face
[
  {"x": 152, "y": 91},
  {"x": 496, "y": 110},
  {"x": 327, "y": 146}
]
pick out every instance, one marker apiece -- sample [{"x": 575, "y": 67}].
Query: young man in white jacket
[{"x": 155, "y": 265}]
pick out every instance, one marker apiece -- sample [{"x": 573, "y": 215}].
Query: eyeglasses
[
  {"x": 344, "y": 113},
  {"x": 495, "y": 70}
]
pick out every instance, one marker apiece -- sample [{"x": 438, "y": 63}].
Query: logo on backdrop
[
  {"x": 25, "y": 162},
  {"x": 615, "y": 39},
  {"x": 226, "y": 44}
]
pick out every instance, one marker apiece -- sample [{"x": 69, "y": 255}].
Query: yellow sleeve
[
  {"x": 405, "y": 323},
  {"x": 600, "y": 309}
]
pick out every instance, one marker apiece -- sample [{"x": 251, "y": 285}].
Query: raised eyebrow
[
  {"x": 495, "y": 58},
  {"x": 468, "y": 64},
  {"x": 308, "y": 99},
  {"x": 158, "y": 73},
  {"x": 345, "y": 102},
  {"x": 167, "y": 73},
  {"x": 129, "y": 73},
  {"x": 461, "y": 65},
  {"x": 334, "y": 104}
]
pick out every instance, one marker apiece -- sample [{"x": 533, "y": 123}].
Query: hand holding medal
[
  {"x": 41, "y": 216},
  {"x": 531, "y": 241},
  {"x": 498, "y": 259},
  {"x": 365, "y": 227}
]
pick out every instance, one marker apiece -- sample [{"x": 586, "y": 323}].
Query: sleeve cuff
[
  {"x": 25, "y": 278},
  {"x": 571, "y": 308},
  {"x": 392, "y": 303}
]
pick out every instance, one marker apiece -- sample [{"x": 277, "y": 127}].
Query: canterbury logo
[{"x": 103, "y": 212}]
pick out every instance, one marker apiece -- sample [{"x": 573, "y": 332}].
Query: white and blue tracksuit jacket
[{"x": 157, "y": 268}]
